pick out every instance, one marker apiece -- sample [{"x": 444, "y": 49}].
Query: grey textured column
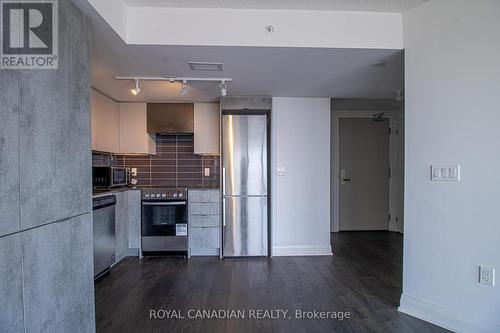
[
  {"x": 9, "y": 152},
  {"x": 46, "y": 259}
]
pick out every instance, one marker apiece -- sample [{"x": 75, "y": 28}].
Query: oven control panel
[{"x": 164, "y": 194}]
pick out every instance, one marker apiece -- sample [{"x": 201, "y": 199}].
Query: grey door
[
  {"x": 364, "y": 174},
  {"x": 244, "y": 162}
]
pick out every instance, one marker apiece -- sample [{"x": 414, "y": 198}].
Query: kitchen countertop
[
  {"x": 116, "y": 190},
  {"x": 122, "y": 189}
]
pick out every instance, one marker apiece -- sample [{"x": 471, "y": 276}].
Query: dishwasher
[{"x": 103, "y": 212}]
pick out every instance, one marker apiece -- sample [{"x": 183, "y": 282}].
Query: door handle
[
  {"x": 343, "y": 179},
  {"x": 223, "y": 197}
]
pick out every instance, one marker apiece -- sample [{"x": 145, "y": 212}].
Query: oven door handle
[{"x": 178, "y": 203}]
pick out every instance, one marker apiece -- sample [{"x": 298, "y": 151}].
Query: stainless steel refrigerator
[{"x": 244, "y": 185}]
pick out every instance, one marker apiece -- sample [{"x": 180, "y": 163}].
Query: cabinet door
[
  {"x": 121, "y": 225},
  {"x": 204, "y": 241},
  {"x": 206, "y": 128},
  {"x": 134, "y": 219},
  {"x": 204, "y": 196},
  {"x": 106, "y": 123},
  {"x": 134, "y": 138}
]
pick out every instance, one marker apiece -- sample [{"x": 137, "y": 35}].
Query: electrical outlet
[
  {"x": 487, "y": 276},
  {"x": 133, "y": 172},
  {"x": 207, "y": 172}
]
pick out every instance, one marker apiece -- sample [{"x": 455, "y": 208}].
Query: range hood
[{"x": 170, "y": 118}]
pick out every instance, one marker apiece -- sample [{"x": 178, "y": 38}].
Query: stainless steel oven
[{"x": 164, "y": 221}]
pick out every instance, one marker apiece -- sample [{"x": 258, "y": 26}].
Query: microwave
[{"x": 108, "y": 177}]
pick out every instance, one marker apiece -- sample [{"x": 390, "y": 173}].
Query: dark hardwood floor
[{"x": 363, "y": 277}]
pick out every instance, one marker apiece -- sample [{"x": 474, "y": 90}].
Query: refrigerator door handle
[{"x": 223, "y": 197}]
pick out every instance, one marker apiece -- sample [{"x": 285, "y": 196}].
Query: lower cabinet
[
  {"x": 134, "y": 221},
  {"x": 204, "y": 241},
  {"x": 127, "y": 224},
  {"x": 121, "y": 222},
  {"x": 204, "y": 222}
]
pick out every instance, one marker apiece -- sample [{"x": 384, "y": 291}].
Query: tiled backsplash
[{"x": 174, "y": 165}]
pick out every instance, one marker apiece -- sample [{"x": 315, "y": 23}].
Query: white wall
[
  {"x": 301, "y": 198},
  {"x": 452, "y": 116}
]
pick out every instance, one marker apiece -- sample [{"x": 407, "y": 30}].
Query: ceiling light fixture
[
  {"x": 223, "y": 88},
  {"x": 172, "y": 79},
  {"x": 136, "y": 89},
  {"x": 184, "y": 89}
]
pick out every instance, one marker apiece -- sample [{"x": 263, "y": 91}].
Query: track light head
[
  {"x": 223, "y": 88},
  {"x": 136, "y": 90},
  {"x": 184, "y": 89}
]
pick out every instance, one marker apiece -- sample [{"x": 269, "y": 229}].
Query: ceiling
[
  {"x": 285, "y": 72},
  {"x": 354, "y": 5},
  {"x": 256, "y": 71}
]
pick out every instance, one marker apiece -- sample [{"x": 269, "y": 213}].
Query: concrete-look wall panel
[
  {"x": 55, "y": 154},
  {"x": 11, "y": 304},
  {"x": 9, "y": 152},
  {"x": 58, "y": 276}
]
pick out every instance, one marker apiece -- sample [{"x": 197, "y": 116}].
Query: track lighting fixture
[
  {"x": 136, "y": 89},
  {"x": 184, "y": 89},
  {"x": 174, "y": 79},
  {"x": 223, "y": 88}
]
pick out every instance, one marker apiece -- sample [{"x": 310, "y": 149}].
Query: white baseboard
[
  {"x": 283, "y": 251},
  {"x": 443, "y": 317}
]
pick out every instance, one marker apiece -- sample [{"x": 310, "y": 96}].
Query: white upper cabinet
[
  {"x": 105, "y": 123},
  {"x": 134, "y": 138},
  {"x": 206, "y": 128},
  {"x": 120, "y": 128}
]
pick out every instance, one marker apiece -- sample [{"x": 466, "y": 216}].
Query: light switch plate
[
  {"x": 207, "y": 172},
  {"x": 281, "y": 170},
  {"x": 445, "y": 173},
  {"x": 487, "y": 276}
]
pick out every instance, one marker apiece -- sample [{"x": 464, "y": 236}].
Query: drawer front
[
  {"x": 204, "y": 240},
  {"x": 204, "y": 220},
  {"x": 204, "y": 196},
  {"x": 204, "y": 208}
]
